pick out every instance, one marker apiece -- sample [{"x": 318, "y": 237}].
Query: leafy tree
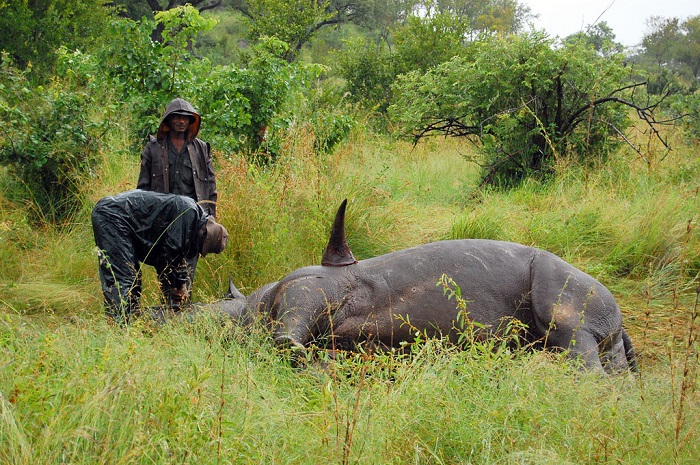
[
  {"x": 180, "y": 27},
  {"x": 376, "y": 17},
  {"x": 239, "y": 104},
  {"x": 243, "y": 106},
  {"x": 137, "y": 9},
  {"x": 34, "y": 29},
  {"x": 369, "y": 69},
  {"x": 689, "y": 48},
  {"x": 50, "y": 134},
  {"x": 442, "y": 30},
  {"x": 138, "y": 69},
  {"x": 148, "y": 73},
  {"x": 424, "y": 42},
  {"x": 421, "y": 43},
  {"x": 298, "y": 22},
  {"x": 686, "y": 108},
  {"x": 660, "y": 43},
  {"x": 524, "y": 102},
  {"x": 292, "y": 21},
  {"x": 486, "y": 16},
  {"x": 600, "y": 37},
  {"x": 671, "y": 54}
]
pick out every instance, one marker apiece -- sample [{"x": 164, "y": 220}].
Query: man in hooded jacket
[
  {"x": 175, "y": 161},
  {"x": 161, "y": 230}
]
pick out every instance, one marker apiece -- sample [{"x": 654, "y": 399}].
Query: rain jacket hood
[{"x": 179, "y": 105}]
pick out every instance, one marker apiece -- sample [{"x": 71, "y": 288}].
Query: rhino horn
[
  {"x": 337, "y": 251},
  {"x": 233, "y": 292}
]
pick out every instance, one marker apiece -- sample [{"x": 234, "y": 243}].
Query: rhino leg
[
  {"x": 581, "y": 345},
  {"x": 575, "y": 312},
  {"x": 613, "y": 357}
]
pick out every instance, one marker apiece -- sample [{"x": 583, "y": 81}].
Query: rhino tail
[
  {"x": 629, "y": 351},
  {"x": 337, "y": 251},
  {"x": 233, "y": 292}
]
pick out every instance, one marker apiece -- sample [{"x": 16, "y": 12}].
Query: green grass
[
  {"x": 85, "y": 392},
  {"x": 74, "y": 389}
]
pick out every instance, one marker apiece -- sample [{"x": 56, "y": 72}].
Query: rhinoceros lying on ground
[{"x": 386, "y": 299}]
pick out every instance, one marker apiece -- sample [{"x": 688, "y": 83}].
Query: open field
[{"x": 74, "y": 389}]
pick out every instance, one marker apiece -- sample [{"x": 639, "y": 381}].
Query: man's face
[{"x": 178, "y": 123}]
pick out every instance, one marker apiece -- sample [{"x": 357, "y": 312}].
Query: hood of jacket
[{"x": 179, "y": 105}]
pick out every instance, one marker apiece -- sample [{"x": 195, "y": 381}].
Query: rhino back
[{"x": 393, "y": 290}]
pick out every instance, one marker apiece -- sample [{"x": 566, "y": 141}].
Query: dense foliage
[
  {"x": 674, "y": 45},
  {"x": 50, "y": 138},
  {"x": 34, "y": 31},
  {"x": 525, "y": 102},
  {"x": 292, "y": 21},
  {"x": 443, "y": 66},
  {"x": 52, "y": 132},
  {"x": 370, "y": 67}
]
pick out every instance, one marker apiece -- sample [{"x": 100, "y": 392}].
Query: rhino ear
[{"x": 337, "y": 251}]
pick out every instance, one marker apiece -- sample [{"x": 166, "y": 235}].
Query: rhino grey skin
[{"x": 386, "y": 299}]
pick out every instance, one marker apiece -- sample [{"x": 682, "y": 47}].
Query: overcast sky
[{"x": 627, "y": 18}]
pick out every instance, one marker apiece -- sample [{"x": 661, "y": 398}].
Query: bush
[
  {"x": 525, "y": 102},
  {"x": 146, "y": 73},
  {"x": 48, "y": 140},
  {"x": 244, "y": 108},
  {"x": 687, "y": 107},
  {"x": 239, "y": 104},
  {"x": 371, "y": 68},
  {"x": 368, "y": 69}
]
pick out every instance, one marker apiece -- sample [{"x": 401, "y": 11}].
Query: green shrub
[
  {"x": 49, "y": 140},
  {"x": 369, "y": 70},
  {"x": 686, "y": 106},
  {"x": 525, "y": 102},
  {"x": 147, "y": 74}
]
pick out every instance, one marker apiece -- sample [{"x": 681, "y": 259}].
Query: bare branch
[
  {"x": 629, "y": 142},
  {"x": 645, "y": 113}
]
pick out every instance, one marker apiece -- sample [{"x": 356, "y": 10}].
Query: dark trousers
[
  {"x": 120, "y": 272},
  {"x": 169, "y": 278}
]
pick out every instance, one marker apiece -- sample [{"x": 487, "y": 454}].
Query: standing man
[
  {"x": 161, "y": 230},
  {"x": 175, "y": 161}
]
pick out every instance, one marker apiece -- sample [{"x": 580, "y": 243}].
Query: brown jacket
[{"x": 154, "y": 175}]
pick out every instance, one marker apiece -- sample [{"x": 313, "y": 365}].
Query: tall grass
[
  {"x": 85, "y": 392},
  {"x": 74, "y": 389}
]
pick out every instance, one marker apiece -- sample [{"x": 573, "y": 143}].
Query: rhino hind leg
[
  {"x": 612, "y": 355},
  {"x": 581, "y": 346},
  {"x": 615, "y": 360},
  {"x": 618, "y": 356}
]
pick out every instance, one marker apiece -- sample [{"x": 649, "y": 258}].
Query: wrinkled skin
[{"x": 384, "y": 300}]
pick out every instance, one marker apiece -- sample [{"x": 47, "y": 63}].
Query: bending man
[{"x": 161, "y": 230}]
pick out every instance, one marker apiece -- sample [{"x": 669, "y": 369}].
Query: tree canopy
[
  {"x": 674, "y": 45},
  {"x": 524, "y": 101},
  {"x": 34, "y": 30}
]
